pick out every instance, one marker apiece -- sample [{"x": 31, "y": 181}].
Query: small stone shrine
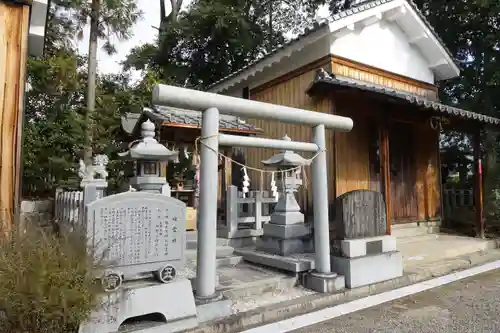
[
  {"x": 360, "y": 246},
  {"x": 139, "y": 235},
  {"x": 286, "y": 233}
]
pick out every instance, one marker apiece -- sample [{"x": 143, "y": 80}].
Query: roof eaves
[
  {"x": 414, "y": 6},
  {"x": 323, "y": 77},
  {"x": 307, "y": 32}
]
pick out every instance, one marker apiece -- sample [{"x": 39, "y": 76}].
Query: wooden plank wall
[
  {"x": 14, "y": 25},
  {"x": 428, "y": 172},
  {"x": 291, "y": 92},
  {"x": 352, "y": 152},
  {"x": 350, "y": 69}
]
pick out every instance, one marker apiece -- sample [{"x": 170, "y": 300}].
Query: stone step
[
  {"x": 192, "y": 244},
  {"x": 418, "y": 238},
  {"x": 411, "y": 230},
  {"x": 221, "y": 252}
]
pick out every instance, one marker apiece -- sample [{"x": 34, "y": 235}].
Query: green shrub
[{"x": 46, "y": 283}]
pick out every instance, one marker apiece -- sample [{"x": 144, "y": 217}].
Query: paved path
[{"x": 470, "y": 305}]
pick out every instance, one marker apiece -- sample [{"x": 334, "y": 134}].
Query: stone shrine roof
[{"x": 175, "y": 117}]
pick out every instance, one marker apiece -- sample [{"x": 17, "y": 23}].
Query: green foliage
[
  {"x": 55, "y": 124},
  {"x": 217, "y": 37},
  {"x": 47, "y": 283}
]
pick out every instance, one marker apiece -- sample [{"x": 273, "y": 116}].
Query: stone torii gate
[{"x": 212, "y": 105}]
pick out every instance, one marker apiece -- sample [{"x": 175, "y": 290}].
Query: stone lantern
[
  {"x": 147, "y": 153},
  {"x": 286, "y": 232}
]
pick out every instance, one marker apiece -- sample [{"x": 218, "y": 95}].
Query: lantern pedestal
[{"x": 286, "y": 234}]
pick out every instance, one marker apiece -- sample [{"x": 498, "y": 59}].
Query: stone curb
[{"x": 284, "y": 310}]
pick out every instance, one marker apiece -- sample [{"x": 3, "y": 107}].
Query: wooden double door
[
  {"x": 402, "y": 167},
  {"x": 403, "y": 171}
]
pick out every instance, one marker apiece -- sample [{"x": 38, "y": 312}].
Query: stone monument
[
  {"x": 286, "y": 233},
  {"x": 361, "y": 250},
  {"x": 139, "y": 239}
]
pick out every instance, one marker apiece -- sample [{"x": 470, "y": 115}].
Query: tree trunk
[{"x": 91, "y": 81}]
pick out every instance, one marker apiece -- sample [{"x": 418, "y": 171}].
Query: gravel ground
[{"x": 471, "y": 305}]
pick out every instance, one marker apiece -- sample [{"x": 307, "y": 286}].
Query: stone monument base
[
  {"x": 369, "y": 269},
  {"x": 324, "y": 283},
  {"x": 352, "y": 248},
  {"x": 174, "y": 301}
]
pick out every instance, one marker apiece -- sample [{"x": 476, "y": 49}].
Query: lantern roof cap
[
  {"x": 147, "y": 147},
  {"x": 286, "y": 158}
]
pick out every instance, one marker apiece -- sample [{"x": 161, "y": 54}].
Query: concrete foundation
[
  {"x": 174, "y": 301},
  {"x": 362, "y": 271}
]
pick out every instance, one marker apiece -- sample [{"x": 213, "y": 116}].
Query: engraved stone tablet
[
  {"x": 137, "y": 232},
  {"x": 359, "y": 214}
]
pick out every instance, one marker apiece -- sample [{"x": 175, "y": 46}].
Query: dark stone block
[
  {"x": 374, "y": 247},
  {"x": 359, "y": 214}
]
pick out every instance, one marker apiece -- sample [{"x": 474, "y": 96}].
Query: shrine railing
[
  {"x": 458, "y": 198},
  {"x": 244, "y": 216},
  {"x": 68, "y": 207}
]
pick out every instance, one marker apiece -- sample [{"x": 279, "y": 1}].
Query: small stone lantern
[
  {"x": 286, "y": 233},
  {"x": 287, "y": 207},
  {"x": 147, "y": 154}
]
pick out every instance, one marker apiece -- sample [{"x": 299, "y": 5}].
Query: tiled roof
[
  {"x": 323, "y": 79},
  {"x": 180, "y": 117},
  {"x": 361, "y": 7}
]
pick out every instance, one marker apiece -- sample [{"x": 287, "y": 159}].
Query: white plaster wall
[{"x": 384, "y": 45}]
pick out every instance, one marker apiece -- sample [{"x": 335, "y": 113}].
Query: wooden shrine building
[
  {"x": 378, "y": 63},
  {"x": 22, "y": 33}
]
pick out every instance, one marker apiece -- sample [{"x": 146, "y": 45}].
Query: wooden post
[
  {"x": 14, "y": 26},
  {"x": 440, "y": 178},
  {"x": 386, "y": 172},
  {"x": 478, "y": 193},
  {"x": 226, "y": 173}
]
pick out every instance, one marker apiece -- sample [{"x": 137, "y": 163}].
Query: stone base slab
[
  {"x": 324, "y": 283},
  {"x": 294, "y": 263},
  {"x": 283, "y": 247},
  {"x": 369, "y": 269},
  {"x": 287, "y": 217},
  {"x": 353, "y": 248},
  {"x": 214, "y": 310},
  {"x": 287, "y": 231},
  {"x": 141, "y": 298}
]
